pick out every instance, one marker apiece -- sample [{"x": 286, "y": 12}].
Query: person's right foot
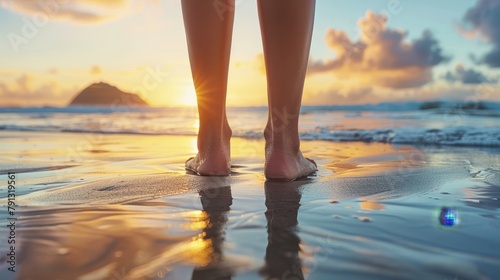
[{"x": 285, "y": 162}]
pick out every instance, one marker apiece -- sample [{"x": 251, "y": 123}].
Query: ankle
[
  {"x": 214, "y": 133},
  {"x": 284, "y": 143},
  {"x": 211, "y": 145}
]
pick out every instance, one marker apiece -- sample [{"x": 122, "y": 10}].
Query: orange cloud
[{"x": 382, "y": 57}]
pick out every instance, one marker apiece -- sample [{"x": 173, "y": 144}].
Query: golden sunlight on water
[
  {"x": 200, "y": 251},
  {"x": 197, "y": 221},
  {"x": 375, "y": 159},
  {"x": 194, "y": 145},
  {"x": 194, "y": 140},
  {"x": 371, "y": 205},
  {"x": 196, "y": 124}
]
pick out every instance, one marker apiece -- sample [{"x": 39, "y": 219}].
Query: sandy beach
[{"x": 116, "y": 206}]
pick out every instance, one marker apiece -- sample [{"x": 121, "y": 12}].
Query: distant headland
[{"x": 103, "y": 94}]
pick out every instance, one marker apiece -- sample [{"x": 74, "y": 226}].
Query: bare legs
[
  {"x": 209, "y": 43},
  {"x": 286, "y": 27}
]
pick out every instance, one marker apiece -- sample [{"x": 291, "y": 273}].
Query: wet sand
[{"x": 95, "y": 206}]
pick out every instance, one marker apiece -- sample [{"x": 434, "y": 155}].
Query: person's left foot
[
  {"x": 213, "y": 163},
  {"x": 213, "y": 158}
]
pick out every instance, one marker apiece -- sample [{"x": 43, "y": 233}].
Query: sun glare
[{"x": 189, "y": 96}]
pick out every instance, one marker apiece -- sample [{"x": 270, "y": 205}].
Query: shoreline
[{"x": 61, "y": 161}]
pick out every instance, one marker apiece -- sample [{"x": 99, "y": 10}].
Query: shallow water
[
  {"x": 399, "y": 123},
  {"x": 372, "y": 212}
]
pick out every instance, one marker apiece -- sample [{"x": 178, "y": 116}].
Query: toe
[
  {"x": 313, "y": 162},
  {"x": 188, "y": 160}
]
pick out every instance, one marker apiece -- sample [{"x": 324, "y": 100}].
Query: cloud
[
  {"x": 95, "y": 70},
  {"x": 483, "y": 20},
  {"x": 24, "y": 92},
  {"x": 467, "y": 76},
  {"x": 82, "y": 11},
  {"x": 382, "y": 57}
]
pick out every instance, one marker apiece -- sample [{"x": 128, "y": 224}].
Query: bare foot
[
  {"x": 285, "y": 162},
  {"x": 213, "y": 158},
  {"x": 287, "y": 166},
  {"x": 215, "y": 163}
]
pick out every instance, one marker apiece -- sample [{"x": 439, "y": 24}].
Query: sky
[{"x": 362, "y": 51}]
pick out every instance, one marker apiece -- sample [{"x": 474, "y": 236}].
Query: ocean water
[{"x": 447, "y": 123}]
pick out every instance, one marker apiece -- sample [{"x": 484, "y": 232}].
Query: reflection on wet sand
[
  {"x": 483, "y": 196},
  {"x": 216, "y": 204},
  {"x": 282, "y": 259},
  {"x": 102, "y": 243},
  {"x": 125, "y": 242},
  {"x": 371, "y": 205}
]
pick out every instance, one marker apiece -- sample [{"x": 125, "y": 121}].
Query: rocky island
[{"x": 103, "y": 94}]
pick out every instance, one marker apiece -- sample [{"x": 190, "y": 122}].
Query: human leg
[
  {"x": 286, "y": 27},
  {"x": 208, "y": 34}
]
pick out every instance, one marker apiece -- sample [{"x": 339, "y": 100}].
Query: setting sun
[{"x": 188, "y": 97}]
